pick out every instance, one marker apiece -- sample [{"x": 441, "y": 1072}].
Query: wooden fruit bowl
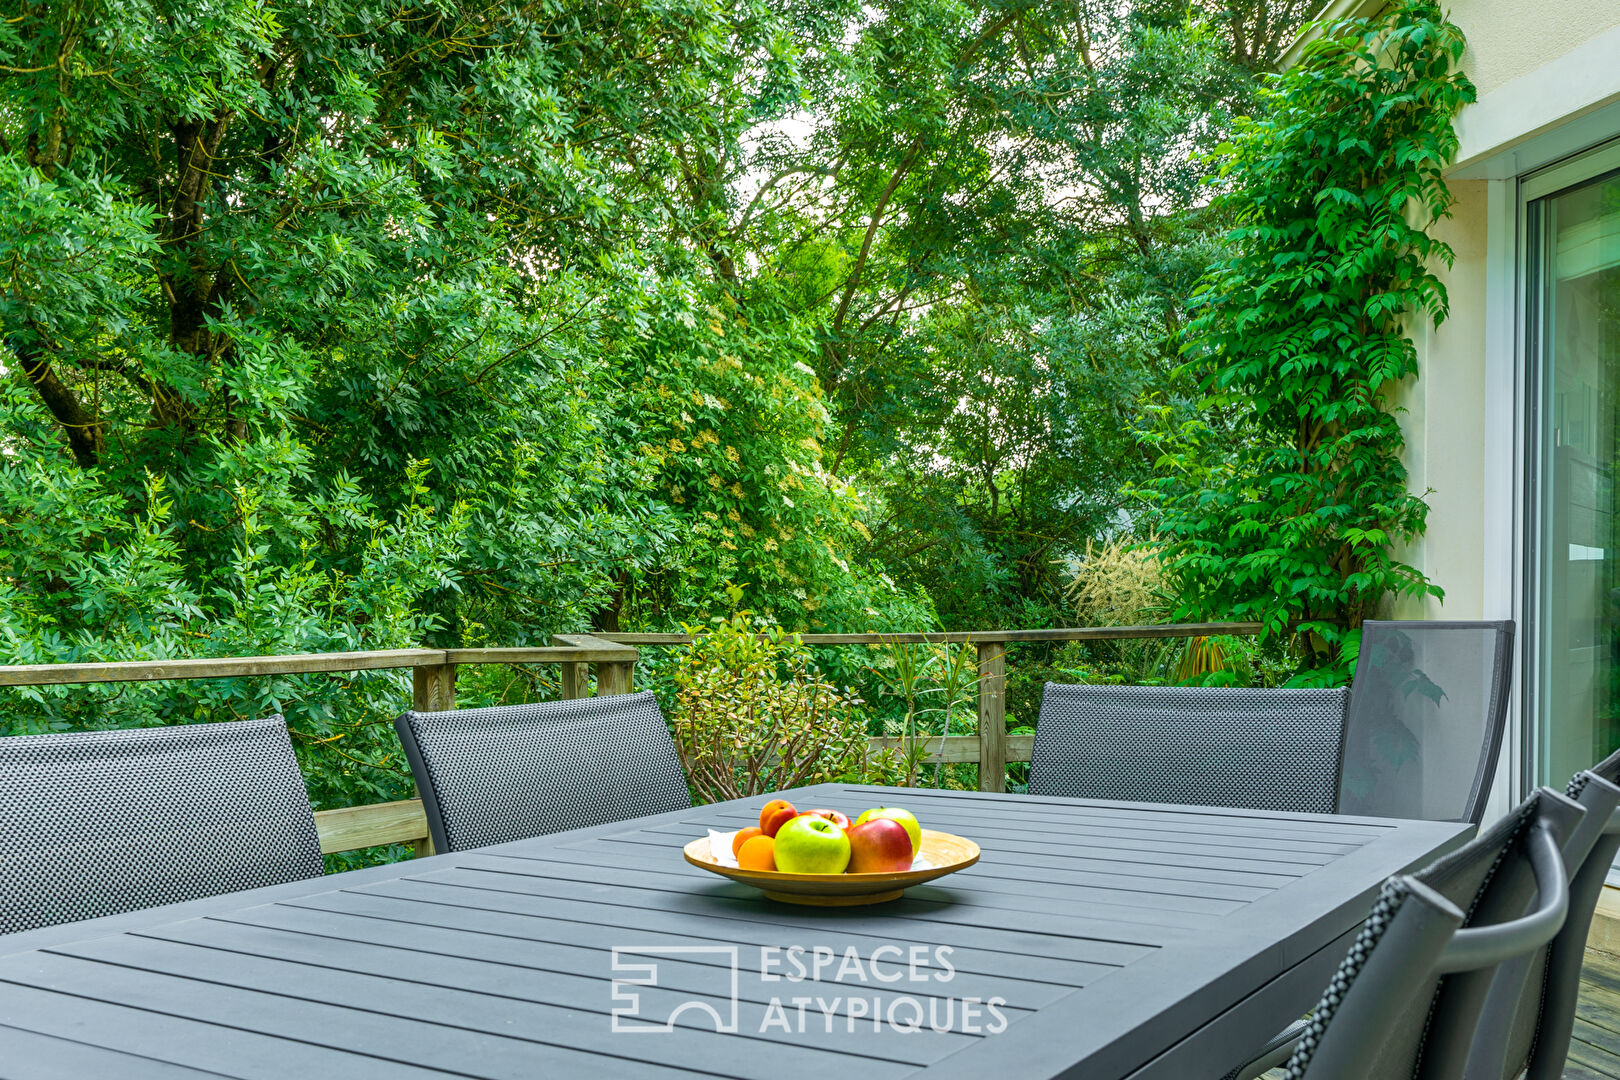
[{"x": 946, "y": 854}]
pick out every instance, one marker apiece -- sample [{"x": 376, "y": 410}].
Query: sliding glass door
[{"x": 1572, "y": 242}]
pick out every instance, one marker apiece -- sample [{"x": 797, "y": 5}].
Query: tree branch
[
  {"x": 871, "y": 231},
  {"x": 82, "y": 428},
  {"x": 122, "y": 369}
]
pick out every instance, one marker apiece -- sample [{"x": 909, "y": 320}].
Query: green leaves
[
  {"x": 752, "y": 713},
  {"x": 344, "y": 324},
  {"x": 1000, "y": 215},
  {"x": 71, "y": 250},
  {"x": 807, "y": 308},
  {"x": 1304, "y": 331}
]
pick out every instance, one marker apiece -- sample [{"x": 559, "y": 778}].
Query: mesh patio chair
[
  {"x": 1427, "y": 710},
  {"x": 489, "y": 776},
  {"x": 1428, "y": 707},
  {"x": 102, "y": 822},
  {"x": 1531, "y": 1013},
  {"x": 1202, "y": 746},
  {"x": 1409, "y": 997}
]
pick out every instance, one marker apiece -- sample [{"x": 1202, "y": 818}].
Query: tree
[
  {"x": 327, "y": 325},
  {"x": 998, "y": 210}
]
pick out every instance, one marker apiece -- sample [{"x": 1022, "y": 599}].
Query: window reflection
[{"x": 1576, "y": 241}]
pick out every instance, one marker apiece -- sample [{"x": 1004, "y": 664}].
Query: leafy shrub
[
  {"x": 753, "y": 714},
  {"x": 101, "y": 582},
  {"x": 1121, "y": 583}
]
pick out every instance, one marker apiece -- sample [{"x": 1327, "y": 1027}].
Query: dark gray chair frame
[
  {"x": 1548, "y": 996},
  {"x": 1495, "y": 721},
  {"x": 1413, "y": 938},
  {"x": 503, "y": 773},
  {"x": 103, "y": 822},
  {"x": 1529, "y": 1015}
]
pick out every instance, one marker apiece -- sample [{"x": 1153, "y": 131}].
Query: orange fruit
[
  {"x": 757, "y": 853},
  {"x": 743, "y": 836},
  {"x": 774, "y": 815}
]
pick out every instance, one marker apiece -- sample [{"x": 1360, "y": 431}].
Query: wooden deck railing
[
  {"x": 433, "y": 688},
  {"x": 613, "y": 657}
]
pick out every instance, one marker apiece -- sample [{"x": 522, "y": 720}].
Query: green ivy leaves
[{"x": 1300, "y": 337}]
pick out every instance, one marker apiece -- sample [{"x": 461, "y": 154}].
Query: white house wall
[{"x": 1548, "y": 76}]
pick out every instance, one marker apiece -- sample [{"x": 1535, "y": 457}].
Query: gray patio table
[{"x": 1094, "y": 939}]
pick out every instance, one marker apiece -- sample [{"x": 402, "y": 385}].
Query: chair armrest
[
  {"x": 1278, "y": 1049},
  {"x": 1485, "y": 946}
]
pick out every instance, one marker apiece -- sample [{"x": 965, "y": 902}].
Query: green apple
[
  {"x": 811, "y": 845},
  {"x": 904, "y": 817}
]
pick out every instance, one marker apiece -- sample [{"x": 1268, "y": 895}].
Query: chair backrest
[
  {"x": 1536, "y": 1027},
  {"x": 1427, "y": 710},
  {"x": 101, "y": 822},
  {"x": 489, "y": 776},
  {"x": 1203, "y": 746},
  {"x": 1408, "y": 998}
]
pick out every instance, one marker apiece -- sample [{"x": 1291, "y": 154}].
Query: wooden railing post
[
  {"x": 571, "y": 680},
  {"x": 615, "y": 678},
  {"x": 615, "y": 672},
  {"x": 992, "y": 716},
  {"x": 433, "y": 689}
]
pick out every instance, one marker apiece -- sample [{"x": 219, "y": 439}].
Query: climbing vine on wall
[{"x": 1304, "y": 331}]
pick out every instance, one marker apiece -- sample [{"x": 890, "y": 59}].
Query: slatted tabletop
[{"x": 1093, "y": 939}]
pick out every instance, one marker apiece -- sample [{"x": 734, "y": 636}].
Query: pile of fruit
[{"x": 884, "y": 840}]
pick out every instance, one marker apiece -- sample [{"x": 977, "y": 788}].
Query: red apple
[
  {"x": 879, "y": 846},
  {"x": 904, "y": 817},
  {"x": 833, "y": 816}
]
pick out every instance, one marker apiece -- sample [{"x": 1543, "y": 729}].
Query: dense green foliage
[
  {"x": 278, "y": 255},
  {"x": 368, "y": 325},
  {"x": 1302, "y": 335},
  {"x": 1038, "y": 228},
  {"x": 338, "y": 326}
]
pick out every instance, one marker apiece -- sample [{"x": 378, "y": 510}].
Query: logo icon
[{"x": 631, "y": 972}]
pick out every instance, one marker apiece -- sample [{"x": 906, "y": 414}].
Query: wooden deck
[{"x": 1594, "y": 1053}]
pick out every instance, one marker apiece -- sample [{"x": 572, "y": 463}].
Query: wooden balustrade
[
  {"x": 433, "y": 688},
  {"x": 992, "y": 748},
  {"x": 613, "y": 656}
]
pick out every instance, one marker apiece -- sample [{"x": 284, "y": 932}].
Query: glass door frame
[{"x": 1532, "y": 252}]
